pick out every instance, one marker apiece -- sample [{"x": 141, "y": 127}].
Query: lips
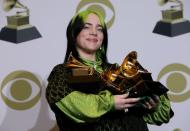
[{"x": 92, "y": 40}]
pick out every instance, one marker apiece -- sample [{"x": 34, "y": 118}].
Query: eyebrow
[{"x": 91, "y": 24}]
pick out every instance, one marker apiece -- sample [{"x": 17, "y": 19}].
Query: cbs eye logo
[
  {"x": 105, "y": 7},
  {"x": 177, "y": 80},
  {"x": 177, "y": 129},
  {"x": 20, "y": 90}
]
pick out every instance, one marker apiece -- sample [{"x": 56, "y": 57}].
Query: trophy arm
[
  {"x": 23, "y": 13},
  {"x": 179, "y": 2}
]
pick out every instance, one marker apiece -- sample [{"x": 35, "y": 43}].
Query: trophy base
[
  {"x": 17, "y": 35},
  {"x": 172, "y": 29},
  {"x": 147, "y": 88},
  {"x": 83, "y": 82}
]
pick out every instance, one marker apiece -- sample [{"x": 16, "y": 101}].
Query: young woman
[{"x": 101, "y": 111}]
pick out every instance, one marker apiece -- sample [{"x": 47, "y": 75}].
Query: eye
[
  {"x": 21, "y": 90},
  {"x": 176, "y": 77},
  {"x": 105, "y": 7},
  {"x": 100, "y": 29},
  {"x": 86, "y": 27}
]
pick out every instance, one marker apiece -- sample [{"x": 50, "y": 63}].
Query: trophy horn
[
  {"x": 9, "y": 4},
  {"x": 73, "y": 62}
]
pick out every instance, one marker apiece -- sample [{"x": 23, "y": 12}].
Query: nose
[{"x": 93, "y": 31}]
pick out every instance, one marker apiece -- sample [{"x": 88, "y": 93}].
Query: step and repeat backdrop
[{"x": 33, "y": 41}]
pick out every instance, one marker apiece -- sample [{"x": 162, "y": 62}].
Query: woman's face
[{"x": 89, "y": 40}]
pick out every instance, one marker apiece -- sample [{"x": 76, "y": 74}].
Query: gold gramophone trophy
[
  {"x": 18, "y": 28},
  {"x": 129, "y": 77},
  {"x": 172, "y": 22}
]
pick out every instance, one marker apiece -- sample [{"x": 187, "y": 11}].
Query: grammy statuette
[
  {"x": 130, "y": 77},
  {"x": 172, "y": 22},
  {"x": 18, "y": 28}
]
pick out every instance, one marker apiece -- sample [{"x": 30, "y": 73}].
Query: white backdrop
[{"x": 30, "y": 62}]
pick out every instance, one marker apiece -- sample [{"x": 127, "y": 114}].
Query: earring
[{"x": 100, "y": 48}]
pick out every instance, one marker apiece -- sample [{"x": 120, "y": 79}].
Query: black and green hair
[{"x": 75, "y": 26}]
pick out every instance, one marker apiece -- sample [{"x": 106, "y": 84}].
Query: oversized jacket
[{"x": 75, "y": 110}]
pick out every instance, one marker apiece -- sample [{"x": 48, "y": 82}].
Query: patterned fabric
[
  {"x": 57, "y": 86},
  {"x": 83, "y": 108},
  {"x": 162, "y": 114},
  {"x": 134, "y": 120},
  {"x": 114, "y": 121}
]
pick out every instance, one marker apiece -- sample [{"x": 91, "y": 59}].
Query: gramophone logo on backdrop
[
  {"x": 18, "y": 28},
  {"x": 172, "y": 23},
  {"x": 102, "y": 6}
]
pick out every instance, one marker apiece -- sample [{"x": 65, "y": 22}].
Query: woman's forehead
[
  {"x": 92, "y": 19},
  {"x": 81, "y": 18}
]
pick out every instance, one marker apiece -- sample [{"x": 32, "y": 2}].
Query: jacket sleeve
[
  {"x": 57, "y": 87},
  {"x": 162, "y": 114},
  {"x": 78, "y": 106},
  {"x": 82, "y": 107}
]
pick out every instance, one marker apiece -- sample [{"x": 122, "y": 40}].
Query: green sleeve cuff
[
  {"x": 162, "y": 113},
  {"x": 83, "y": 108}
]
